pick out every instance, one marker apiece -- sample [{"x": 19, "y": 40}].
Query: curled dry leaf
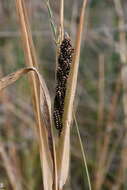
[
  {"x": 13, "y": 77},
  {"x": 45, "y": 140}
]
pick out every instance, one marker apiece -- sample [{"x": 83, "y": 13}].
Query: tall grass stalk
[
  {"x": 64, "y": 141},
  {"x": 44, "y": 131}
]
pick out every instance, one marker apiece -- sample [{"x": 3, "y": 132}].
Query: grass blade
[
  {"x": 61, "y": 28},
  {"x": 64, "y": 141},
  {"x": 13, "y": 77},
  {"x": 47, "y": 154},
  {"x": 83, "y": 152},
  {"x": 45, "y": 107}
]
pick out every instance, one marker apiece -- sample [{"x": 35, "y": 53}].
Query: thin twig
[
  {"x": 100, "y": 118},
  {"x": 104, "y": 149},
  {"x": 123, "y": 55}
]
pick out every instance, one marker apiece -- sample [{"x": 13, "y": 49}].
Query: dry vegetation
[{"x": 32, "y": 155}]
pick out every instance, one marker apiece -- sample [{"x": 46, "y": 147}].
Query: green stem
[{"x": 83, "y": 152}]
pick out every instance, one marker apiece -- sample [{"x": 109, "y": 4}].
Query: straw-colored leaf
[
  {"x": 44, "y": 94},
  {"x": 46, "y": 144},
  {"x": 64, "y": 141},
  {"x": 46, "y": 118},
  {"x": 11, "y": 78}
]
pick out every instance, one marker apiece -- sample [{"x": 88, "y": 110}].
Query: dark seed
[{"x": 64, "y": 62}]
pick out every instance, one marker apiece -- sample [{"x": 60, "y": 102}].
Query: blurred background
[{"x": 101, "y": 97}]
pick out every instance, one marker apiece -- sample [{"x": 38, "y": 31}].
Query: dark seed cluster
[{"x": 64, "y": 62}]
